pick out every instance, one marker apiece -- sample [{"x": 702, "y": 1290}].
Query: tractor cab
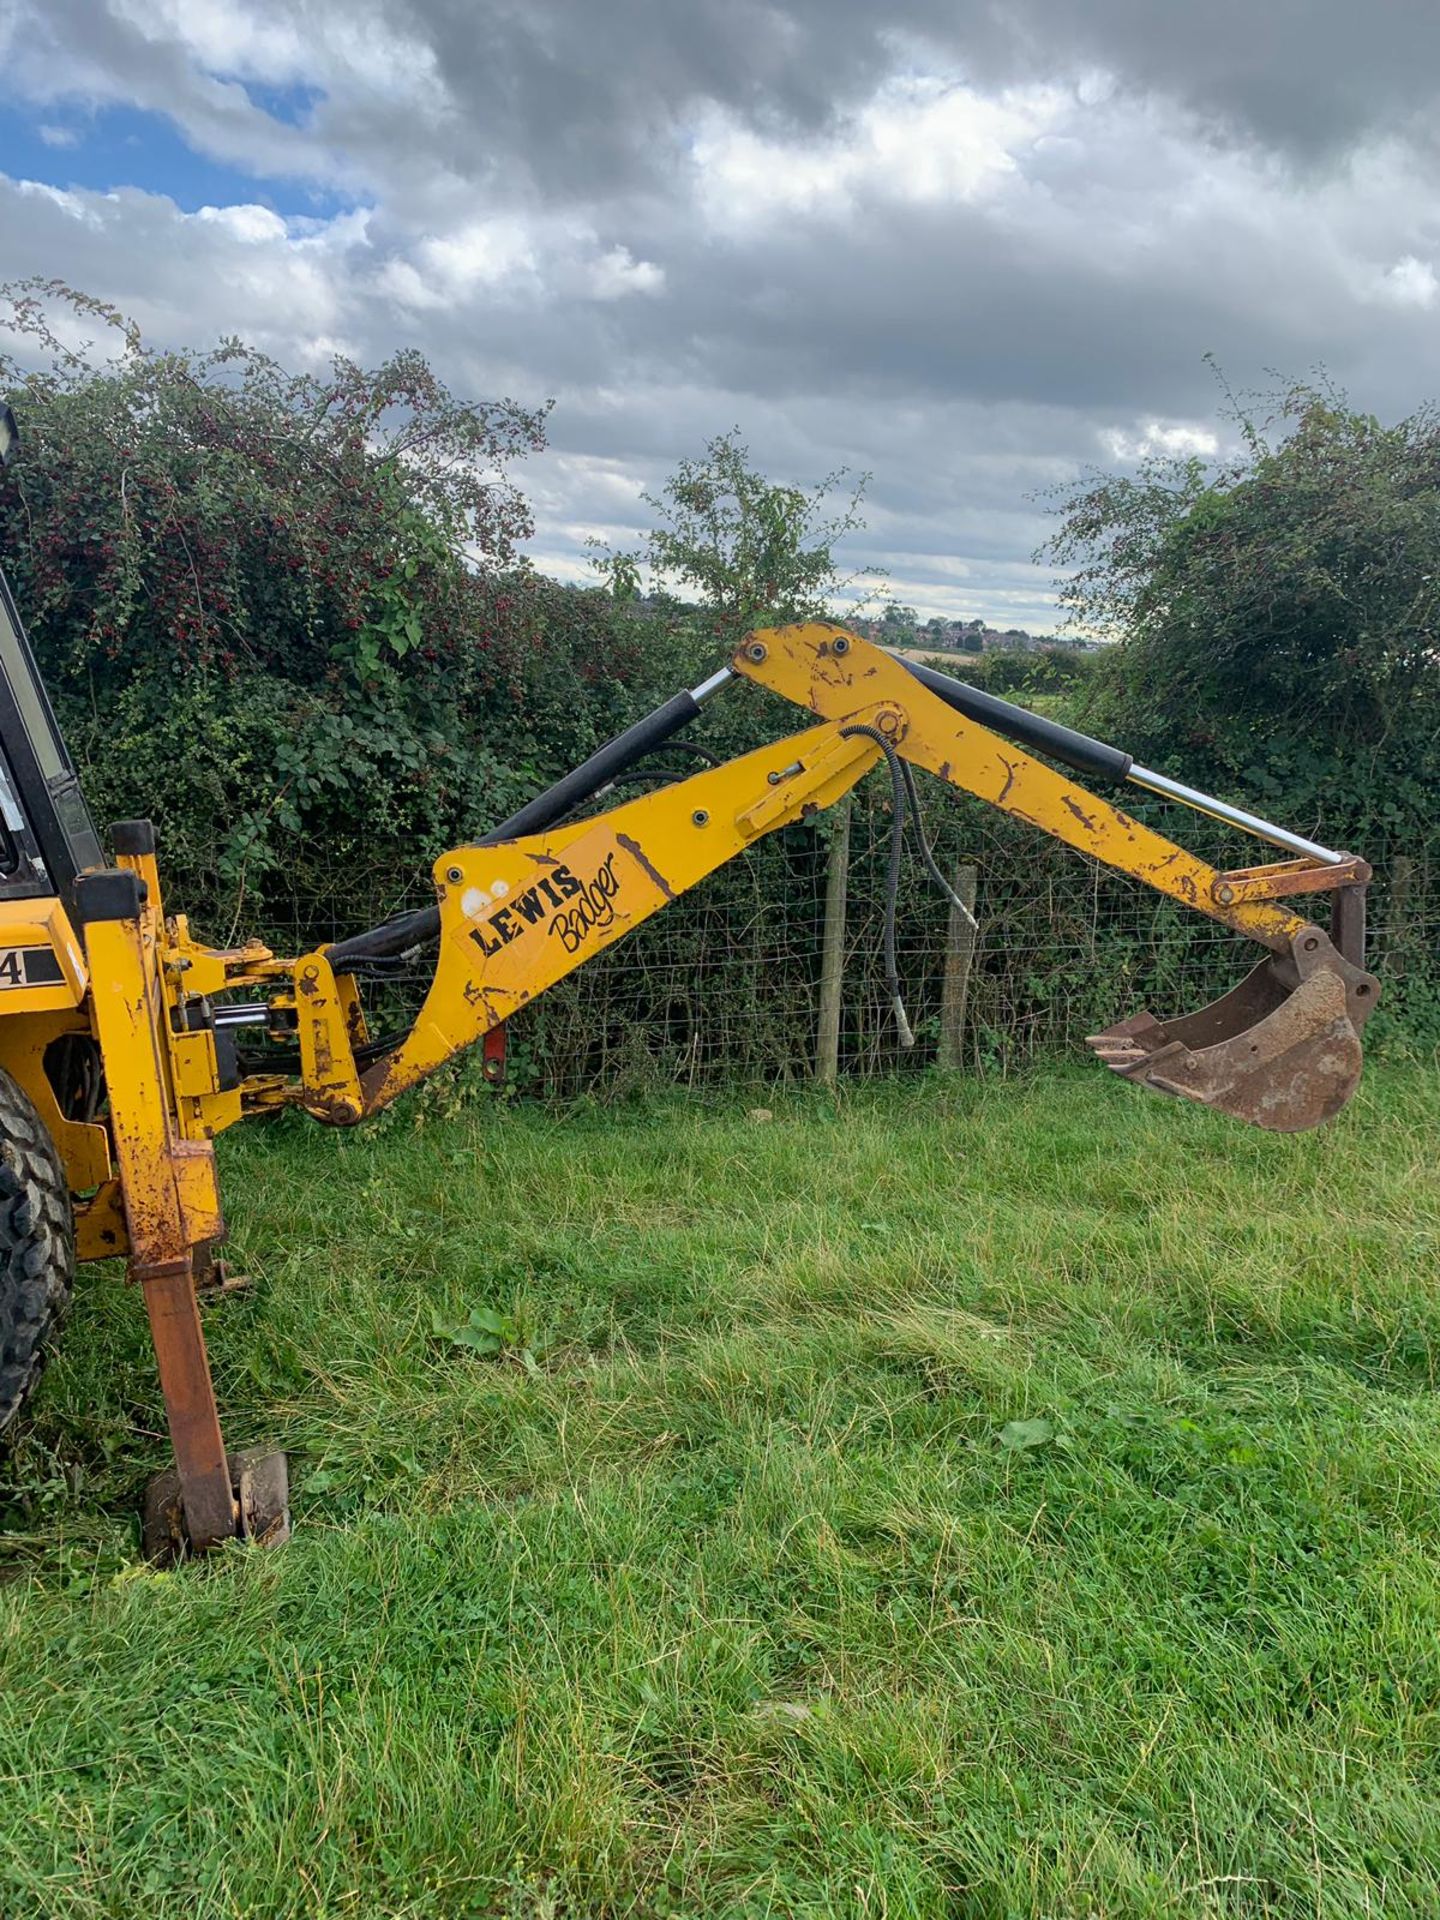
[{"x": 46, "y": 834}]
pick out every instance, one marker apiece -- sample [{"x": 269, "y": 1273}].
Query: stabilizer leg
[
  {"x": 202, "y": 1472},
  {"x": 172, "y": 1202}
]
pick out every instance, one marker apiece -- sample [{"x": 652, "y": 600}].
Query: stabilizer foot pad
[{"x": 260, "y": 1481}]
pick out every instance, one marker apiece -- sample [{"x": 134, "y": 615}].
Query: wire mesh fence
[{"x": 724, "y": 985}]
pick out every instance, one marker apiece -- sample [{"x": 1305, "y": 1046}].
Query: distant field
[
  {"x": 935, "y": 653},
  {"x": 972, "y": 1500}
]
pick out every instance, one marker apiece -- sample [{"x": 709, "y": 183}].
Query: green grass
[{"x": 728, "y": 1587}]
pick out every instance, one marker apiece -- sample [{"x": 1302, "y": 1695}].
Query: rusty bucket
[{"x": 1281, "y": 1050}]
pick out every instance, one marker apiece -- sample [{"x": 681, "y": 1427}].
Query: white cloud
[
  {"x": 1411, "y": 283},
  {"x": 921, "y": 140},
  {"x": 249, "y": 224},
  {"x": 617, "y": 273},
  {"x": 480, "y": 254},
  {"x": 260, "y": 41},
  {"x": 1175, "y": 439},
  {"x": 81, "y": 207}
]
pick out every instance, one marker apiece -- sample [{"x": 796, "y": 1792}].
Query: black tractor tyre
[{"x": 37, "y": 1245}]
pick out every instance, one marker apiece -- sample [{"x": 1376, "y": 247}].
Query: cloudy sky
[{"x": 971, "y": 246}]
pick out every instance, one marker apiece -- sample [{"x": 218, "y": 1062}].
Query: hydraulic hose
[{"x": 892, "y": 873}]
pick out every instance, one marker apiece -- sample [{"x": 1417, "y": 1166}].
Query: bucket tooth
[{"x": 1281, "y": 1049}]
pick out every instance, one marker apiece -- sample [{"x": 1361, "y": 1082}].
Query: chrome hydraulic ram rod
[
  {"x": 1098, "y": 761},
  {"x": 1233, "y": 816}
]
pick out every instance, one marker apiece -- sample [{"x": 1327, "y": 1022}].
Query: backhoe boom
[{"x": 518, "y": 912}]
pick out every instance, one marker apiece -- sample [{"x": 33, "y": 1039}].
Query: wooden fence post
[
  {"x": 832, "y": 950},
  {"x": 955, "y": 986}
]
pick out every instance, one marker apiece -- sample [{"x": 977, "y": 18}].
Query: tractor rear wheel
[{"x": 37, "y": 1245}]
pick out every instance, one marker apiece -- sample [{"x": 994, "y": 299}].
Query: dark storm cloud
[
  {"x": 584, "y": 98},
  {"x": 588, "y": 98}
]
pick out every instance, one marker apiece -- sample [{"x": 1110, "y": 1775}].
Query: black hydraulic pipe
[
  {"x": 412, "y": 929},
  {"x": 602, "y": 766},
  {"x": 1027, "y": 729}
]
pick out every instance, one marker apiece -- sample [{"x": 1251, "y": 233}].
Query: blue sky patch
[
  {"x": 126, "y": 147},
  {"x": 293, "y": 105}
]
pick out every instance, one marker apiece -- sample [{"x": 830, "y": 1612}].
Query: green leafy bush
[{"x": 1277, "y": 627}]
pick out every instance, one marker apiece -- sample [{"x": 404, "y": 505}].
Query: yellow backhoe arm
[
  {"x": 1282, "y": 1049},
  {"x": 518, "y": 915},
  {"x": 120, "y": 1050},
  {"x": 832, "y": 672}
]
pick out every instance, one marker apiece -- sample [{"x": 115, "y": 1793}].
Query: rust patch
[
  {"x": 333, "y": 1109},
  {"x": 169, "y": 1290},
  {"x": 1073, "y": 806},
  {"x": 637, "y": 852},
  {"x": 1009, "y": 766}
]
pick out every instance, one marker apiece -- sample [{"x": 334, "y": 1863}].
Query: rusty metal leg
[
  {"x": 190, "y": 1408},
  {"x": 1347, "y": 923},
  {"x": 172, "y": 1205}
]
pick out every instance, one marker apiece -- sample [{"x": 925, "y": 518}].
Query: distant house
[{"x": 938, "y": 635}]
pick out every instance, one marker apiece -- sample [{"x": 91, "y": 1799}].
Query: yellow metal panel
[
  {"x": 100, "y": 1229},
  {"x": 193, "y": 1059},
  {"x": 172, "y": 1202},
  {"x": 44, "y": 926},
  {"x": 83, "y": 1147},
  {"x": 326, "y": 1020}
]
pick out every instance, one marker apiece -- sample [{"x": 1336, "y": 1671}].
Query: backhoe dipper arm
[
  {"x": 833, "y": 672},
  {"x": 539, "y": 897},
  {"x": 1282, "y": 1049}
]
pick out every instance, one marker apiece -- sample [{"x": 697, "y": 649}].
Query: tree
[
  {"x": 752, "y": 550},
  {"x": 282, "y": 613},
  {"x": 1278, "y": 618},
  {"x": 898, "y": 624},
  {"x": 1276, "y": 623}
]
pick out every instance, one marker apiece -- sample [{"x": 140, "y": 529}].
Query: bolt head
[
  {"x": 755, "y": 651},
  {"x": 700, "y": 817},
  {"x": 454, "y": 875}
]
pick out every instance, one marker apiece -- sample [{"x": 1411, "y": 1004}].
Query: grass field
[{"x": 1019, "y": 1499}]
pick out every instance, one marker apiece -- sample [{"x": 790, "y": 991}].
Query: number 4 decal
[{"x": 28, "y": 967}]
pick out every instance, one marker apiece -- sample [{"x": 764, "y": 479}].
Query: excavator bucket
[{"x": 1281, "y": 1050}]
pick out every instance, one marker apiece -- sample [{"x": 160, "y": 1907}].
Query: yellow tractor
[{"x": 118, "y": 1054}]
